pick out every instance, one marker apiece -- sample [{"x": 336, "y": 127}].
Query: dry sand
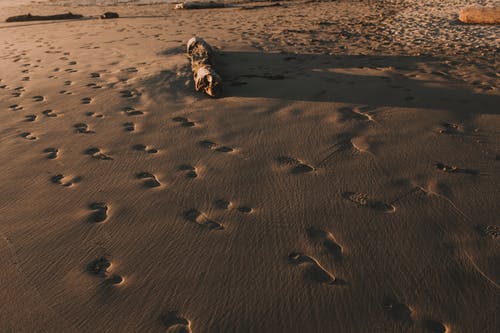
[{"x": 347, "y": 181}]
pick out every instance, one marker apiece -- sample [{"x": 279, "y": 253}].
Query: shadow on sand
[{"x": 387, "y": 81}]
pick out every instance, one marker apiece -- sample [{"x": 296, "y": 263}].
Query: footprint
[
  {"x": 28, "y": 136},
  {"x": 207, "y": 144},
  {"x": 86, "y": 100},
  {"x": 49, "y": 113},
  {"x": 198, "y": 217},
  {"x": 313, "y": 270},
  {"x": 99, "y": 267},
  {"x": 97, "y": 154},
  {"x": 455, "y": 169},
  {"x": 129, "y": 126},
  {"x": 100, "y": 212},
  {"x": 222, "y": 204},
  {"x": 485, "y": 230},
  {"x": 434, "y": 326},
  {"x": 398, "y": 311},
  {"x": 362, "y": 200},
  {"x": 244, "y": 209},
  {"x": 130, "y": 111},
  {"x": 145, "y": 148},
  {"x": 175, "y": 323},
  {"x": 115, "y": 279},
  {"x": 450, "y": 128},
  {"x": 348, "y": 113},
  {"x": 15, "y": 107},
  {"x": 129, "y": 93},
  {"x": 82, "y": 128},
  {"x": 327, "y": 241},
  {"x": 93, "y": 114},
  {"x": 297, "y": 166},
  {"x": 224, "y": 149},
  {"x": 130, "y": 70},
  {"x": 30, "y": 117},
  {"x": 58, "y": 179},
  {"x": 51, "y": 153},
  {"x": 39, "y": 98},
  {"x": 190, "y": 170},
  {"x": 95, "y": 75},
  {"x": 184, "y": 121},
  {"x": 213, "y": 146},
  {"x": 150, "y": 179}
]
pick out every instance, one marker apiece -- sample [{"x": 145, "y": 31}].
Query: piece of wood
[
  {"x": 110, "y": 15},
  {"x": 206, "y": 78},
  {"x": 199, "y": 5},
  {"x": 29, "y": 17}
]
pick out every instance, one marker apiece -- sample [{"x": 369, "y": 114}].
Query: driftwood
[
  {"x": 206, "y": 78},
  {"x": 29, "y": 17},
  {"x": 110, "y": 15},
  {"x": 480, "y": 15},
  {"x": 199, "y": 5}
]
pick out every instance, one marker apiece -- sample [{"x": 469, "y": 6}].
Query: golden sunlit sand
[{"x": 346, "y": 179}]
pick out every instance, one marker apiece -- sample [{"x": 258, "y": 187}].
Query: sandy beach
[{"x": 347, "y": 180}]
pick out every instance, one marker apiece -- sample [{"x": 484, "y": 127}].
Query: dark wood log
[
  {"x": 110, "y": 15},
  {"x": 199, "y": 5},
  {"x": 29, "y": 17},
  {"x": 206, "y": 78}
]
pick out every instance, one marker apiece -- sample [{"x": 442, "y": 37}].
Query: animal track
[
  {"x": 97, "y": 154},
  {"x": 362, "y": 200},
  {"x": 296, "y": 165},
  {"x": 198, "y": 217},
  {"x": 100, "y": 212},
  {"x": 28, "y": 136},
  {"x": 58, "y": 179},
  {"x": 213, "y": 146},
  {"x": 130, "y": 111},
  {"x": 49, "y": 113},
  {"x": 184, "y": 121},
  {"x": 173, "y": 321},
  {"x": 190, "y": 170},
  {"x": 129, "y": 126},
  {"x": 455, "y": 169},
  {"x": 38, "y": 98},
  {"x": 149, "y": 179},
  {"x": 51, "y": 153},
  {"x": 326, "y": 240},
  {"x": 313, "y": 270},
  {"x": 31, "y": 117},
  {"x": 145, "y": 148},
  {"x": 398, "y": 311}
]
